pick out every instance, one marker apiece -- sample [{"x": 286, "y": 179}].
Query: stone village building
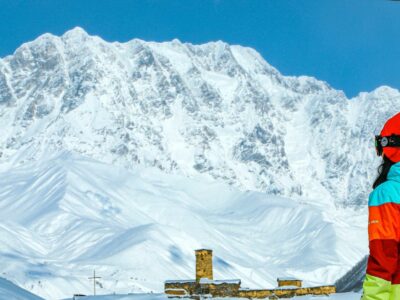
[{"x": 205, "y": 285}]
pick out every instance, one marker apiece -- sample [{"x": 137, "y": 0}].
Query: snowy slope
[
  {"x": 10, "y": 291},
  {"x": 65, "y": 216},
  {"x": 347, "y": 296},
  {"x": 125, "y": 157},
  {"x": 353, "y": 280},
  {"x": 214, "y": 109}
]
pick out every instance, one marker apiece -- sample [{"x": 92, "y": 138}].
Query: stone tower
[{"x": 204, "y": 267}]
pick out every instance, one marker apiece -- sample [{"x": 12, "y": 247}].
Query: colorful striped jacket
[{"x": 382, "y": 281}]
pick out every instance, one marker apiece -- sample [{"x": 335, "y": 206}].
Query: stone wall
[
  {"x": 221, "y": 290},
  {"x": 254, "y": 294},
  {"x": 181, "y": 288},
  {"x": 175, "y": 288},
  {"x": 233, "y": 290},
  {"x": 205, "y": 285},
  {"x": 285, "y": 293},
  {"x": 289, "y": 282},
  {"x": 317, "y": 290}
]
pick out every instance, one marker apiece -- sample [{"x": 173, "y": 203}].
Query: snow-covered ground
[
  {"x": 65, "y": 216},
  {"x": 345, "y": 296},
  {"x": 9, "y": 291}
]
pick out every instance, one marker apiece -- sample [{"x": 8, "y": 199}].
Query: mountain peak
[
  {"x": 387, "y": 90},
  {"x": 171, "y": 107},
  {"x": 75, "y": 33}
]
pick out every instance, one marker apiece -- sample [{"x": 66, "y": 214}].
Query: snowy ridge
[
  {"x": 10, "y": 291},
  {"x": 353, "y": 280},
  {"x": 69, "y": 215},
  {"x": 187, "y": 109}
]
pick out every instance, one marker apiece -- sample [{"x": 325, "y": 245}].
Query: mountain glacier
[
  {"x": 215, "y": 109},
  {"x": 125, "y": 157}
]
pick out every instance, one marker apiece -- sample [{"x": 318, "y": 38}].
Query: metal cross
[{"x": 94, "y": 281}]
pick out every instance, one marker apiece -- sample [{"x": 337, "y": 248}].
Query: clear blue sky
[{"x": 354, "y": 45}]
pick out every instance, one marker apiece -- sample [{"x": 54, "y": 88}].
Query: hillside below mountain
[{"x": 63, "y": 217}]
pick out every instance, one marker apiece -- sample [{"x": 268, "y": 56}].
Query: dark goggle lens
[{"x": 378, "y": 145}]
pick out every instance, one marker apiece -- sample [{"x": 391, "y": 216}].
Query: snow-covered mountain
[
  {"x": 63, "y": 217},
  {"x": 216, "y": 109},
  {"x": 125, "y": 157}
]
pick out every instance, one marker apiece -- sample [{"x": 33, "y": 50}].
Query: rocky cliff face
[{"x": 215, "y": 109}]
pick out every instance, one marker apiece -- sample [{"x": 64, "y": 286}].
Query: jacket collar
[{"x": 394, "y": 172}]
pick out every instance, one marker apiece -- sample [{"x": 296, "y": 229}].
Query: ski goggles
[{"x": 386, "y": 141}]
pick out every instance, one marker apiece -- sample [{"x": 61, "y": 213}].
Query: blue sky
[{"x": 354, "y": 45}]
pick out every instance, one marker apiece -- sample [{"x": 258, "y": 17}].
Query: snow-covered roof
[
  {"x": 228, "y": 281},
  {"x": 180, "y": 281},
  {"x": 205, "y": 281},
  {"x": 288, "y": 279},
  {"x": 253, "y": 289}
]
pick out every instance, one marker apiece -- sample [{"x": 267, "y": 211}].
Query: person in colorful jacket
[{"x": 382, "y": 281}]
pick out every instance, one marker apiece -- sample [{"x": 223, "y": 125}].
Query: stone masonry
[{"x": 205, "y": 285}]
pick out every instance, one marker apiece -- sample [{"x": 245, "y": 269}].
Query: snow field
[{"x": 65, "y": 216}]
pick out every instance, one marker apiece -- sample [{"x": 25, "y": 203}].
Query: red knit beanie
[{"x": 392, "y": 126}]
